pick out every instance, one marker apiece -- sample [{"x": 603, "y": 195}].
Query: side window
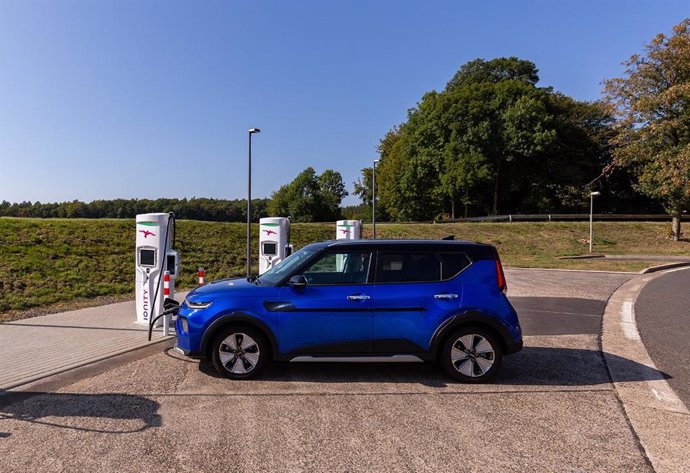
[
  {"x": 346, "y": 267},
  {"x": 452, "y": 264},
  {"x": 408, "y": 267}
]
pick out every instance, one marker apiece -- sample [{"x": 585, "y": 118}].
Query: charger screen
[
  {"x": 147, "y": 257},
  {"x": 270, "y": 249}
]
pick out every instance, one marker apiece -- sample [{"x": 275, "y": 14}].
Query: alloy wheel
[
  {"x": 472, "y": 355},
  {"x": 239, "y": 353}
]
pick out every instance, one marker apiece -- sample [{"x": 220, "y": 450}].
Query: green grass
[{"x": 79, "y": 261}]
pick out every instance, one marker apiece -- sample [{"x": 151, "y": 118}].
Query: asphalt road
[
  {"x": 663, "y": 319},
  {"x": 559, "y": 315},
  {"x": 552, "y": 408}
]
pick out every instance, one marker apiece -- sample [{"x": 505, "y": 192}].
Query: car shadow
[
  {"x": 81, "y": 412},
  {"x": 533, "y": 366}
]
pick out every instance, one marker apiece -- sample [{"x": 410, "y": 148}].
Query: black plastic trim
[
  {"x": 280, "y": 306},
  {"x": 476, "y": 318},
  {"x": 233, "y": 318},
  {"x": 400, "y": 346},
  {"x": 356, "y": 348}
]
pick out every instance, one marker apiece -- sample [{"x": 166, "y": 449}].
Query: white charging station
[
  {"x": 154, "y": 256},
  {"x": 348, "y": 230},
  {"x": 274, "y": 241}
]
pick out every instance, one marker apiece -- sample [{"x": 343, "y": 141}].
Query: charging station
[
  {"x": 274, "y": 242},
  {"x": 348, "y": 230},
  {"x": 155, "y": 254}
]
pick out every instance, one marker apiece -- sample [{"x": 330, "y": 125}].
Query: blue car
[{"x": 365, "y": 300}]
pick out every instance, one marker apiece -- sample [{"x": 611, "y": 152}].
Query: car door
[
  {"x": 414, "y": 292},
  {"x": 332, "y": 313}
]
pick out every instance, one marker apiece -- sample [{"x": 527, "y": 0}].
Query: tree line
[{"x": 217, "y": 210}]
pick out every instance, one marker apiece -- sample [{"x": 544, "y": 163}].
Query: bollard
[
  {"x": 166, "y": 294},
  {"x": 201, "y": 276}
]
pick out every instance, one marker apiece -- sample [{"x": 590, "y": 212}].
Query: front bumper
[
  {"x": 513, "y": 347},
  {"x": 187, "y": 353}
]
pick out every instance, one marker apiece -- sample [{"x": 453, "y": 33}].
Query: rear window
[
  {"x": 452, "y": 264},
  {"x": 398, "y": 267}
]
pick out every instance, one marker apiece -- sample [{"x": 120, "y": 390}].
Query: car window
[
  {"x": 346, "y": 267},
  {"x": 419, "y": 266},
  {"x": 452, "y": 264},
  {"x": 283, "y": 268}
]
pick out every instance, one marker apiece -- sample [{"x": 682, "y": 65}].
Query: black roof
[{"x": 475, "y": 250}]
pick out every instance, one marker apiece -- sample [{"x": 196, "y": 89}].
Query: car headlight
[{"x": 198, "y": 305}]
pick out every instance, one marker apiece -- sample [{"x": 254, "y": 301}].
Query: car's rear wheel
[
  {"x": 239, "y": 352},
  {"x": 471, "y": 355}
]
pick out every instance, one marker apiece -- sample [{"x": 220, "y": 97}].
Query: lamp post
[
  {"x": 249, "y": 204},
  {"x": 592, "y": 195},
  {"x": 373, "y": 199}
]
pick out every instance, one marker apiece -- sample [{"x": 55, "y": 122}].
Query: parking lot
[{"x": 552, "y": 408}]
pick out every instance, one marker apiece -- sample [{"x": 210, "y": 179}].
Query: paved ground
[
  {"x": 666, "y": 333},
  {"x": 552, "y": 408},
  {"x": 57, "y": 342},
  {"x": 594, "y": 285}
]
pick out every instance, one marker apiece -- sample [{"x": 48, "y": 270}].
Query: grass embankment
[{"x": 54, "y": 264}]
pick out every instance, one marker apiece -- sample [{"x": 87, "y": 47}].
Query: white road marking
[{"x": 628, "y": 320}]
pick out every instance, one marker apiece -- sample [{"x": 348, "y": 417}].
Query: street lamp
[
  {"x": 373, "y": 198},
  {"x": 592, "y": 195},
  {"x": 249, "y": 204}
]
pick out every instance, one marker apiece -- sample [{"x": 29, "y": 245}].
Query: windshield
[{"x": 285, "y": 267}]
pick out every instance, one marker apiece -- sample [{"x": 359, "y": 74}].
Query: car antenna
[{"x": 449, "y": 237}]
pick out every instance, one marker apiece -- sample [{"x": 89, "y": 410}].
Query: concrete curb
[
  {"x": 658, "y": 417},
  {"x": 663, "y": 267},
  {"x": 572, "y": 270},
  {"x": 70, "y": 374}
]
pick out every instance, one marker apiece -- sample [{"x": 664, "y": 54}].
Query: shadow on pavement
[
  {"x": 82, "y": 412},
  {"x": 533, "y": 366}
]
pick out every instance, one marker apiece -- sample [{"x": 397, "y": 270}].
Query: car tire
[
  {"x": 471, "y": 355},
  {"x": 239, "y": 352}
]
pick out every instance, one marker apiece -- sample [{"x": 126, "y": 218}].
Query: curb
[
  {"x": 657, "y": 416},
  {"x": 571, "y": 270},
  {"x": 71, "y": 374},
  {"x": 661, "y": 267}
]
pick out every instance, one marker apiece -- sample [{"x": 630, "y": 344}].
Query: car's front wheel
[
  {"x": 239, "y": 352},
  {"x": 471, "y": 355}
]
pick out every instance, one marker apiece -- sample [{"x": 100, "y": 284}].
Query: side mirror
[
  {"x": 169, "y": 303},
  {"x": 298, "y": 281}
]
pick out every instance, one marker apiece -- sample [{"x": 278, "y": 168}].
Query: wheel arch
[
  {"x": 469, "y": 319},
  {"x": 237, "y": 318}
]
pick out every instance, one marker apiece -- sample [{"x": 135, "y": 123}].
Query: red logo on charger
[
  {"x": 147, "y": 233},
  {"x": 269, "y": 232}
]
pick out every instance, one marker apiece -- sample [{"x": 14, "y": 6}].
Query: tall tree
[
  {"x": 496, "y": 70},
  {"x": 363, "y": 186},
  {"x": 652, "y": 102},
  {"x": 332, "y": 190},
  {"x": 309, "y": 197}
]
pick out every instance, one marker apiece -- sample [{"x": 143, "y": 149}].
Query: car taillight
[{"x": 500, "y": 276}]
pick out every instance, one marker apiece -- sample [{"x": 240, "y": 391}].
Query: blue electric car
[{"x": 365, "y": 300}]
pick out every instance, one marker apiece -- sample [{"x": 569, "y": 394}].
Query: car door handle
[
  {"x": 445, "y": 296},
  {"x": 358, "y": 297}
]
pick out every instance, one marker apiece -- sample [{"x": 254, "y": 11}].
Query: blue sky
[{"x": 141, "y": 98}]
